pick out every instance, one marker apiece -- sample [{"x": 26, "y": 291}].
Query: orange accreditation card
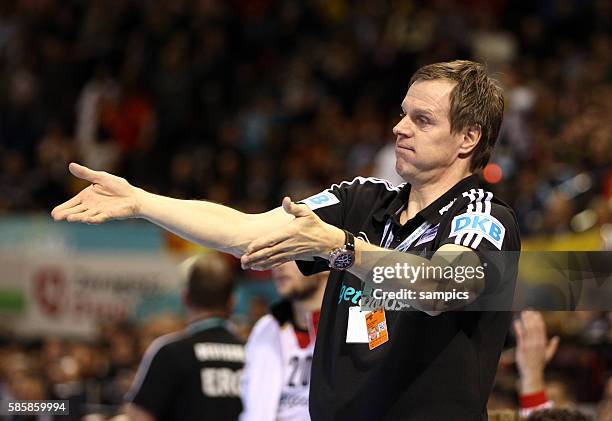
[{"x": 377, "y": 328}]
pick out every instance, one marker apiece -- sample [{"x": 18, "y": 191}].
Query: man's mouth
[{"x": 404, "y": 147}]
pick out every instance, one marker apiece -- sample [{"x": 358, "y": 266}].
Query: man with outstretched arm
[{"x": 383, "y": 364}]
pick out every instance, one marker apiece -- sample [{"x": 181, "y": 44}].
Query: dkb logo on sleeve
[
  {"x": 320, "y": 200},
  {"x": 481, "y": 224}
]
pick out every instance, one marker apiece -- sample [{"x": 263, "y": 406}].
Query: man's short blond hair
[{"x": 476, "y": 99}]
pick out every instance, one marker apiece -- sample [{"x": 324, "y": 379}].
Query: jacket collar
[{"x": 432, "y": 213}]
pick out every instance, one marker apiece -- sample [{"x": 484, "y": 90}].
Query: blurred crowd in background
[
  {"x": 95, "y": 375},
  {"x": 244, "y": 101}
]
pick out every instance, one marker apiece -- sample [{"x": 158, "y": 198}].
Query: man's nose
[{"x": 403, "y": 127}]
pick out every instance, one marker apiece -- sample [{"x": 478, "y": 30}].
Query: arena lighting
[
  {"x": 606, "y": 236},
  {"x": 576, "y": 185},
  {"x": 493, "y": 173},
  {"x": 584, "y": 220}
]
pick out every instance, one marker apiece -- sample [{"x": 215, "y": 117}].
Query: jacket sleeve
[{"x": 333, "y": 204}]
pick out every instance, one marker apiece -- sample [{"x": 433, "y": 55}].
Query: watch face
[{"x": 343, "y": 260}]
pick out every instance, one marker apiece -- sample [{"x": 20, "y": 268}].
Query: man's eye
[{"x": 422, "y": 120}]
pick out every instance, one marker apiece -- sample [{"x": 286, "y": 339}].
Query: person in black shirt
[
  {"x": 194, "y": 374},
  {"x": 427, "y": 365}
]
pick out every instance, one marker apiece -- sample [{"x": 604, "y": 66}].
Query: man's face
[
  {"x": 424, "y": 144},
  {"x": 291, "y": 284}
]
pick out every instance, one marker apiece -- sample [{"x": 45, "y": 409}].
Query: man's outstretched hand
[
  {"x": 108, "y": 197},
  {"x": 303, "y": 238}
]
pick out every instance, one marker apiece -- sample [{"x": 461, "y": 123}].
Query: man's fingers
[
  {"x": 59, "y": 213},
  {"x": 75, "y": 217},
  {"x": 535, "y": 329},
  {"x": 530, "y": 331},
  {"x": 259, "y": 256},
  {"x": 272, "y": 262},
  {"x": 551, "y": 348},
  {"x": 537, "y": 322},
  {"x": 294, "y": 209},
  {"x": 518, "y": 332},
  {"x": 73, "y": 210},
  {"x": 81, "y": 212},
  {"x": 265, "y": 242},
  {"x": 531, "y": 323},
  {"x": 99, "y": 218},
  {"x": 269, "y": 254},
  {"x": 89, "y": 214},
  {"x": 84, "y": 173}
]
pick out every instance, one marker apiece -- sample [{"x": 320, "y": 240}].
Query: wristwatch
[{"x": 342, "y": 258}]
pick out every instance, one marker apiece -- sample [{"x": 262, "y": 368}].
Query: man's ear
[{"x": 470, "y": 138}]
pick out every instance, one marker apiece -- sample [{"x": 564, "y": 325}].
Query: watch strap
[{"x": 349, "y": 241}]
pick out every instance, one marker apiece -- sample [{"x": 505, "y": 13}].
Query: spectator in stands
[
  {"x": 558, "y": 414},
  {"x": 604, "y": 408},
  {"x": 533, "y": 352},
  {"x": 194, "y": 373}
]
